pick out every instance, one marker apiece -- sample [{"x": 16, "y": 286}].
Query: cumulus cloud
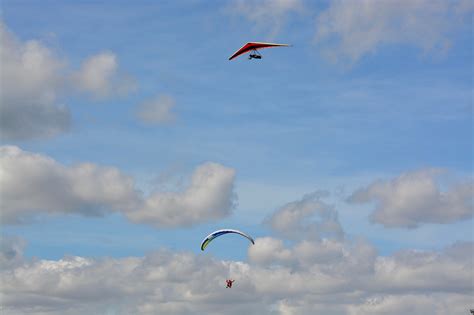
[
  {"x": 167, "y": 282},
  {"x": 415, "y": 198},
  {"x": 163, "y": 282},
  {"x": 341, "y": 258},
  {"x": 438, "y": 304},
  {"x": 348, "y": 30},
  {"x": 413, "y": 271},
  {"x": 35, "y": 81},
  {"x": 31, "y": 80},
  {"x": 309, "y": 217},
  {"x": 34, "y": 184},
  {"x": 269, "y": 15},
  {"x": 209, "y": 196},
  {"x": 306, "y": 276},
  {"x": 268, "y": 250},
  {"x": 99, "y": 76},
  {"x": 157, "y": 111}
]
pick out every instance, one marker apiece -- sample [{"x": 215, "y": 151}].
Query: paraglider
[
  {"x": 253, "y": 47},
  {"x": 218, "y": 233}
]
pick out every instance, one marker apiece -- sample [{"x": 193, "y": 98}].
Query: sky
[{"x": 127, "y": 136}]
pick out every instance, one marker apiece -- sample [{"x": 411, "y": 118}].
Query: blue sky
[{"x": 295, "y": 122}]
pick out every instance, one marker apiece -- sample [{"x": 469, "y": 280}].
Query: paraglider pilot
[{"x": 229, "y": 283}]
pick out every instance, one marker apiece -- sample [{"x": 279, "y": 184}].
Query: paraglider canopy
[
  {"x": 218, "y": 233},
  {"x": 254, "y": 46}
]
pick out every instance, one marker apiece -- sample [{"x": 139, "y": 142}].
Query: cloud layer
[
  {"x": 348, "y": 30},
  {"x": 350, "y": 279},
  {"x": 34, "y": 184},
  {"x": 35, "y": 81},
  {"x": 415, "y": 198},
  {"x": 304, "y": 276}
]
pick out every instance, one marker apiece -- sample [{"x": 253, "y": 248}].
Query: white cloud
[
  {"x": 414, "y": 198},
  {"x": 268, "y": 250},
  {"x": 351, "y": 29},
  {"x": 160, "y": 283},
  {"x": 91, "y": 190},
  {"x": 31, "y": 82},
  {"x": 99, "y": 76},
  {"x": 157, "y": 111},
  {"x": 436, "y": 304},
  {"x": 309, "y": 276},
  {"x": 412, "y": 271},
  {"x": 32, "y": 184},
  {"x": 167, "y": 282},
  {"x": 306, "y": 218},
  {"x": 267, "y": 14},
  {"x": 35, "y": 81},
  {"x": 209, "y": 196},
  {"x": 341, "y": 258}
]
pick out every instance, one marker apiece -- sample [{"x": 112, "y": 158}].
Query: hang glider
[
  {"x": 218, "y": 233},
  {"x": 253, "y": 47}
]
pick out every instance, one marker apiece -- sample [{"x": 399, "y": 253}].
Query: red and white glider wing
[{"x": 254, "y": 46}]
